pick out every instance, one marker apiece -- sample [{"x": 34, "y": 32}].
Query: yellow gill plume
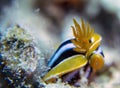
[{"x": 83, "y": 34}]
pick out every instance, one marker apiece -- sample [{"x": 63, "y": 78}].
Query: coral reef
[{"x": 19, "y": 58}]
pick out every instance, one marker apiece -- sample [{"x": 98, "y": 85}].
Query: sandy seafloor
[{"x": 45, "y": 25}]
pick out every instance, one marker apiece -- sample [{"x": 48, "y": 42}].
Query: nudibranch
[{"x": 79, "y": 52}]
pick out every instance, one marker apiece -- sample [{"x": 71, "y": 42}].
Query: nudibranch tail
[{"x": 83, "y": 34}]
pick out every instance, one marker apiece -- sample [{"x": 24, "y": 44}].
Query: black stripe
[
  {"x": 63, "y": 44},
  {"x": 64, "y": 55},
  {"x": 68, "y": 52}
]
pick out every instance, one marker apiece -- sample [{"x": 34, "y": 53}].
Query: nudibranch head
[{"x": 84, "y": 36}]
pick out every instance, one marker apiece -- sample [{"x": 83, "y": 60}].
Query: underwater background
[{"x": 31, "y": 31}]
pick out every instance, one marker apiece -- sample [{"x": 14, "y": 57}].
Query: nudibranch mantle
[
  {"x": 60, "y": 69},
  {"x": 76, "y": 53}
]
